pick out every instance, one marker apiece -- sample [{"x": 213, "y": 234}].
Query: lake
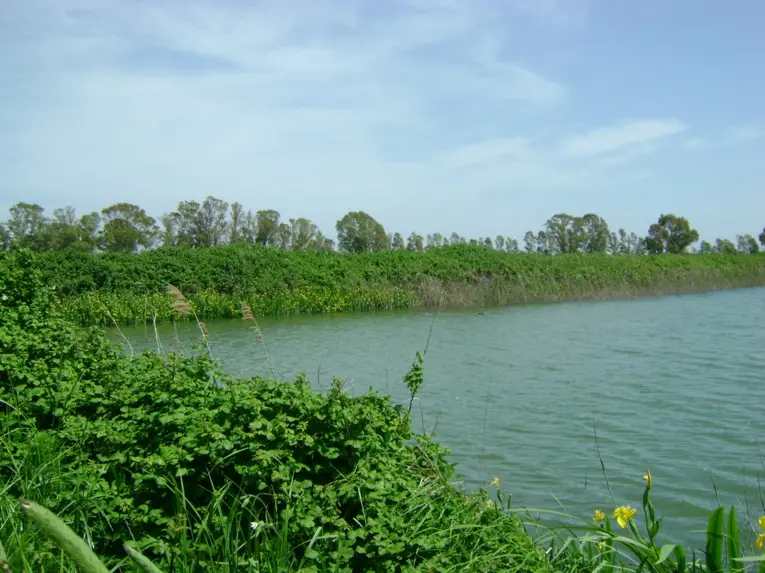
[{"x": 672, "y": 383}]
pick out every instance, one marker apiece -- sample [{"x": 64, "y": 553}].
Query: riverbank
[
  {"x": 202, "y": 471},
  {"x": 107, "y": 288}
]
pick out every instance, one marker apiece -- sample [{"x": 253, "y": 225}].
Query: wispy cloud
[
  {"x": 619, "y": 137},
  {"x": 313, "y": 108},
  {"x": 743, "y": 134}
]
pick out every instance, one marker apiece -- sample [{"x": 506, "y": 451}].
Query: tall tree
[
  {"x": 511, "y": 245},
  {"x": 747, "y": 244},
  {"x": 127, "y": 228},
  {"x": 212, "y": 222},
  {"x": 235, "y": 234},
  {"x": 762, "y": 237},
  {"x": 415, "y": 242},
  {"x": 268, "y": 227},
  {"x": 565, "y": 233},
  {"x": 26, "y": 225},
  {"x": 397, "y": 242},
  {"x": 597, "y": 234},
  {"x": 706, "y": 248},
  {"x": 725, "y": 247},
  {"x": 5, "y": 238},
  {"x": 671, "y": 234},
  {"x": 284, "y": 236},
  {"x": 359, "y": 232},
  {"x": 530, "y": 242},
  {"x": 303, "y": 233},
  {"x": 181, "y": 227}
]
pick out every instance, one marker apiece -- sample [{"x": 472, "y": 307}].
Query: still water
[{"x": 672, "y": 383}]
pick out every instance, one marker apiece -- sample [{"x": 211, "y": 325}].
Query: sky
[{"x": 482, "y": 117}]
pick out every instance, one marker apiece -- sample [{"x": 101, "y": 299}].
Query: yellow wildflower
[
  {"x": 623, "y": 514},
  {"x": 495, "y": 482},
  {"x": 648, "y": 479},
  {"x": 490, "y": 503},
  {"x": 762, "y": 522},
  {"x": 760, "y": 541},
  {"x": 599, "y": 516}
]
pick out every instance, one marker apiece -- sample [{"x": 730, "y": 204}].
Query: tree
[
  {"x": 725, "y": 247},
  {"x": 284, "y": 237},
  {"x": 211, "y": 222},
  {"x": 671, "y": 234},
  {"x": 762, "y": 237},
  {"x": 127, "y": 227},
  {"x": 181, "y": 227},
  {"x": 706, "y": 248},
  {"x": 358, "y": 232},
  {"x": 436, "y": 240},
  {"x": 5, "y": 238},
  {"x": 597, "y": 235},
  {"x": 511, "y": 245},
  {"x": 303, "y": 233},
  {"x": 415, "y": 242},
  {"x": 565, "y": 233},
  {"x": 235, "y": 224},
  {"x": 397, "y": 242},
  {"x": 747, "y": 244},
  {"x": 26, "y": 225},
  {"x": 268, "y": 227},
  {"x": 529, "y": 242}
]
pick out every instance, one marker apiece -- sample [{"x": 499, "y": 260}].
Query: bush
[{"x": 149, "y": 447}]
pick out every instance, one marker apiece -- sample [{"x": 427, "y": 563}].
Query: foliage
[
  {"x": 359, "y": 232},
  {"x": 671, "y": 234},
  {"x": 621, "y": 546},
  {"x": 217, "y": 280},
  {"x": 343, "y": 478}
]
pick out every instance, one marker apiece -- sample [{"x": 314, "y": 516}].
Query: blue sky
[{"x": 483, "y": 117}]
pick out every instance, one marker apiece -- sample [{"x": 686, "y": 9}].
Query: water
[{"x": 670, "y": 383}]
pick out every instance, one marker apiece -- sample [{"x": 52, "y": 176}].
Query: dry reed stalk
[
  {"x": 182, "y": 307},
  {"x": 249, "y": 316}
]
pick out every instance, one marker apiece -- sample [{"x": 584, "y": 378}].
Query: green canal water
[{"x": 674, "y": 384}]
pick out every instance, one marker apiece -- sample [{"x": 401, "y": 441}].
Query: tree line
[{"x": 124, "y": 227}]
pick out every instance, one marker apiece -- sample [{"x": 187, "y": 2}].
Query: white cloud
[
  {"x": 696, "y": 143},
  {"x": 604, "y": 140},
  {"x": 742, "y": 134}
]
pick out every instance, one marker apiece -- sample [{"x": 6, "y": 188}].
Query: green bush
[
  {"x": 127, "y": 288},
  {"x": 138, "y": 441}
]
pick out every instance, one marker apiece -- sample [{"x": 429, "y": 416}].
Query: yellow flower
[
  {"x": 760, "y": 541},
  {"x": 490, "y": 503},
  {"x": 599, "y": 516},
  {"x": 762, "y": 522},
  {"x": 495, "y": 482},
  {"x": 648, "y": 479},
  {"x": 623, "y": 514}
]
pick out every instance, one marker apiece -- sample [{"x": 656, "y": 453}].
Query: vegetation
[
  {"x": 100, "y": 289},
  {"x": 127, "y": 228},
  {"x": 166, "y": 462},
  {"x": 200, "y": 471}
]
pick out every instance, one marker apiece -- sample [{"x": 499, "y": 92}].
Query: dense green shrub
[
  {"x": 217, "y": 280},
  {"x": 349, "y": 481}
]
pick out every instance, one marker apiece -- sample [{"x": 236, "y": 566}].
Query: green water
[{"x": 671, "y": 383}]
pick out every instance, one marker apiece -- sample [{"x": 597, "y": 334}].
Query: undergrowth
[{"x": 99, "y": 289}]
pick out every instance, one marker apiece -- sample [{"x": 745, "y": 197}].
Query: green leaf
[
  {"x": 734, "y": 544},
  {"x": 714, "y": 544},
  {"x": 665, "y": 552}
]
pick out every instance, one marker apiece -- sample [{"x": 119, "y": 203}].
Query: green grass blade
[
  {"x": 64, "y": 537},
  {"x": 734, "y": 544},
  {"x": 665, "y": 552},
  {"x": 714, "y": 541},
  {"x": 141, "y": 560},
  {"x": 680, "y": 557}
]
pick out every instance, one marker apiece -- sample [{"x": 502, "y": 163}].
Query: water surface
[{"x": 672, "y": 383}]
